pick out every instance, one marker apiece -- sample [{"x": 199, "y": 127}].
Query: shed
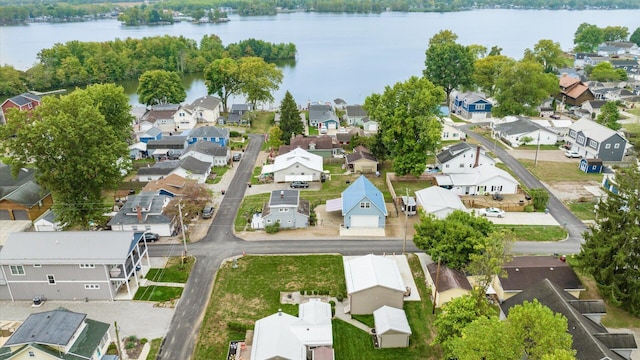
[
  {"x": 372, "y": 282},
  {"x": 392, "y": 327},
  {"x": 446, "y": 284},
  {"x": 591, "y": 165}
]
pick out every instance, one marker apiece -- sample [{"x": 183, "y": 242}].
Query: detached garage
[
  {"x": 392, "y": 327},
  {"x": 363, "y": 205}
]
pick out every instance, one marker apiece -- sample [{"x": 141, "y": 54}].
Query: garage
[
  {"x": 20, "y": 215},
  {"x": 364, "y": 221},
  {"x": 4, "y": 215},
  {"x": 333, "y": 125}
]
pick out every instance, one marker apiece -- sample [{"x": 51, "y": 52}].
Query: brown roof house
[
  {"x": 21, "y": 198},
  {"x": 319, "y": 145},
  {"x": 591, "y": 340},
  {"x": 573, "y": 91},
  {"x": 449, "y": 284},
  {"x": 524, "y": 271},
  {"x": 173, "y": 185},
  {"x": 362, "y": 162}
]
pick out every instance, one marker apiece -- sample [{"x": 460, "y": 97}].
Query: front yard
[
  {"x": 536, "y": 232},
  {"x": 548, "y": 171}
]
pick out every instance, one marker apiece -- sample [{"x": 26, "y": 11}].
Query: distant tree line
[
  {"x": 17, "y": 14},
  {"x": 145, "y": 15},
  {"x": 77, "y": 63}
]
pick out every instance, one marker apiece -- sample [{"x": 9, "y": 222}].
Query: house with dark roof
[
  {"x": 592, "y": 107},
  {"x": 524, "y": 271},
  {"x": 188, "y": 168},
  {"x": 58, "y": 334},
  {"x": 21, "y": 198},
  {"x": 72, "y": 265},
  {"x": 286, "y": 208},
  {"x": 470, "y": 105},
  {"x": 323, "y": 115},
  {"x": 322, "y": 145},
  {"x": 154, "y": 133},
  {"x": 208, "y": 152},
  {"x": 591, "y": 340},
  {"x": 170, "y": 147},
  {"x": 145, "y": 212},
  {"x": 160, "y": 116},
  {"x": 238, "y": 114},
  {"x": 573, "y": 91},
  {"x": 213, "y": 134},
  {"x": 630, "y": 66},
  {"x": 594, "y": 141},
  {"x": 462, "y": 158},
  {"x": 446, "y": 284},
  {"x": 362, "y": 162},
  {"x": 355, "y": 114},
  {"x": 205, "y": 109},
  {"x": 609, "y": 48},
  {"x": 344, "y": 137},
  {"x": 578, "y": 61},
  {"x": 172, "y": 185},
  {"x": 523, "y": 131},
  {"x": 22, "y": 102}
]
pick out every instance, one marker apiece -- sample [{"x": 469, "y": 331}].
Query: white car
[
  {"x": 571, "y": 154},
  {"x": 491, "y": 211}
]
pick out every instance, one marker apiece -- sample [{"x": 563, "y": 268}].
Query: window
[
  {"x": 37, "y": 265},
  {"x": 593, "y": 144},
  {"x": 87, "y": 266},
  {"x": 479, "y": 106},
  {"x": 446, "y": 166},
  {"x": 607, "y": 146},
  {"x": 461, "y": 165},
  {"x": 572, "y": 134},
  {"x": 616, "y": 146},
  {"x": 496, "y": 188},
  {"x": 16, "y": 269},
  {"x": 91, "y": 286},
  {"x": 269, "y": 221},
  {"x": 289, "y": 221},
  {"x": 580, "y": 139},
  {"x": 283, "y": 210},
  {"x": 365, "y": 205},
  {"x": 32, "y": 354},
  {"x": 445, "y": 135},
  {"x": 51, "y": 279}
]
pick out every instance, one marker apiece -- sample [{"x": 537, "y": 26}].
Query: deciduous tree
[
  {"x": 259, "y": 79},
  {"x": 635, "y": 37},
  {"x": 609, "y": 248},
  {"x": 408, "y": 126},
  {"x": 13, "y": 81},
  {"x": 275, "y": 138},
  {"x": 485, "y": 338},
  {"x": 587, "y": 37},
  {"x": 547, "y": 53},
  {"x": 604, "y": 71},
  {"x": 487, "y": 70},
  {"x": 290, "y": 122},
  {"x": 161, "y": 87},
  {"x": 521, "y": 87},
  {"x": 448, "y": 64},
  {"x": 222, "y": 78},
  {"x": 615, "y": 33},
  {"x": 609, "y": 115},
  {"x": 490, "y": 256}
]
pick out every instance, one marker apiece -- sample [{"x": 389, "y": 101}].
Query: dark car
[
  {"x": 299, "y": 185},
  {"x": 150, "y": 237},
  {"x": 207, "y": 212},
  {"x": 237, "y": 156}
]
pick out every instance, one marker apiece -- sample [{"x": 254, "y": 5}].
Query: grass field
[
  {"x": 262, "y": 122},
  {"x": 583, "y": 210},
  {"x": 250, "y": 205},
  {"x": 175, "y": 271},
  {"x": 536, "y": 232},
  {"x": 558, "y": 171},
  {"x": 155, "y": 347},
  {"x": 158, "y": 293},
  {"x": 219, "y": 171}
]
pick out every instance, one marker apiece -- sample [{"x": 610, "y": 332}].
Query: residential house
[
  {"x": 323, "y": 115},
  {"x": 286, "y": 208},
  {"x": 305, "y": 337},
  {"x": 362, "y": 162},
  {"x": 609, "y": 48},
  {"x": 593, "y": 107},
  {"x": 630, "y": 66},
  {"x": 439, "y": 201},
  {"x": 573, "y": 91},
  {"x": 593, "y": 166},
  {"x": 153, "y": 133},
  {"x": 47, "y": 222},
  {"x": 344, "y": 137},
  {"x": 208, "y": 152},
  {"x": 524, "y": 271},
  {"x": 450, "y": 132},
  {"x": 21, "y": 198},
  {"x": 480, "y": 180},
  {"x": 363, "y": 205},
  {"x": 372, "y": 282},
  {"x": 591, "y": 340},
  {"x": 167, "y": 148},
  {"x": 446, "y": 283},
  {"x": 213, "y": 134},
  {"x": 392, "y": 327},
  {"x": 205, "y": 109},
  {"x": 594, "y": 141},
  {"x": 322, "y": 145},
  {"x": 369, "y": 125},
  {"x": 355, "y": 114},
  {"x": 193, "y": 169},
  {"x": 523, "y": 131},
  {"x": 579, "y": 58},
  {"x": 72, "y": 265},
  {"x": 238, "y": 114},
  {"x": 138, "y": 151},
  {"x": 172, "y": 185},
  {"x": 158, "y": 170},
  {"x": 470, "y": 106},
  {"x": 161, "y": 116},
  {"x": 58, "y": 334},
  {"x": 297, "y": 165},
  {"x": 144, "y": 212},
  {"x": 594, "y": 60},
  {"x": 462, "y": 158},
  {"x": 22, "y": 102}
]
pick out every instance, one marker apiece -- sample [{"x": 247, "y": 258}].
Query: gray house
[
  {"x": 144, "y": 212},
  {"x": 594, "y": 141},
  {"x": 72, "y": 265},
  {"x": 355, "y": 115},
  {"x": 167, "y": 148},
  {"x": 286, "y": 207}
]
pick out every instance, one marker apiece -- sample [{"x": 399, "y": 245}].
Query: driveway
[
  {"x": 525, "y": 218},
  {"x": 543, "y": 155},
  {"x": 10, "y": 226}
]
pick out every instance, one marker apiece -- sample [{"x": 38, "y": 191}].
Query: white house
[
  {"x": 208, "y": 152},
  {"x": 47, "y": 222},
  {"x": 523, "y": 131},
  {"x": 462, "y": 158},
  {"x": 194, "y": 169},
  {"x": 144, "y": 212},
  {"x": 284, "y": 336},
  {"x": 297, "y": 165},
  {"x": 439, "y": 201},
  {"x": 450, "y": 132},
  {"x": 481, "y": 180},
  {"x": 205, "y": 109}
]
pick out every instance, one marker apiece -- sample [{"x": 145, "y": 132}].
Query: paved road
[{"x": 574, "y": 226}]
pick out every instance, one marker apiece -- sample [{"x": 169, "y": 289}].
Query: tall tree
[
  {"x": 453, "y": 239},
  {"x": 608, "y": 248},
  {"x": 492, "y": 253},
  {"x": 547, "y": 53},
  {"x": 113, "y": 104},
  {"x": 448, "y": 64},
  {"x": 609, "y": 115},
  {"x": 408, "y": 126},
  {"x": 81, "y": 157},
  {"x": 521, "y": 87},
  {"x": 161, "y": 87},
  {"x": 485, "y": 338},
  {"x": 487, "y": 70},
  {"x": 275, "y": 138},
  {"x": 615, "y": 33},
  {"x": 290, "y": 121},
  {"x": 13, "y": 81},
  {"x": 587, "y": 37},
  {"x": 222, "y": 77},
  {"x": 635, "y": 37},
  {"x": 259, "y": 79},
  {"x": 604, "y": 71}
]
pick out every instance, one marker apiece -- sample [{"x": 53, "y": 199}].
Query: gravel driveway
[{"x": 543, "y": 155}]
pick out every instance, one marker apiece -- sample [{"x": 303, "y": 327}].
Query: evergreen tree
[{"x": 290, "y": 122}]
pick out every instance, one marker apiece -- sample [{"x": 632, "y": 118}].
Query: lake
[{"x": 346, "y": 56}]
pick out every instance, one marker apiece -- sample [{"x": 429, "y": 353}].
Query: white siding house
[{"x": 297, "y": 164}]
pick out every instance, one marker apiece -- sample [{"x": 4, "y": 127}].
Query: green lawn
[
  {"x": 155, "y": 347},
  {"x": 175, "y": 271},
  {"x": 536, "y": 232},
  {"x": 219, "y": 171},
  {"x": 262, "y": 122},
  {"x": 456, "y": 119},
  {"x": 535, "y": 147},
  {"x": 250, "y": 205},
  {"x": 558, "y": 171},
  {"x": 313, "y": 131},
  {"x": 633, "y": 130},
  {"x": 583, "y": 210},
  {"x": 255, "y": 174},
  {"x": 158, "y": 293}
]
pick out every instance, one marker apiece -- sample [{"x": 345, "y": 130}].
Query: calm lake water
[{"x": 346, "y": 56}]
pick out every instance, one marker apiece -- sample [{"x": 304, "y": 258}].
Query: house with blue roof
[
  {"x": 214, "y": 134},
  {"x": 470, "y": 106},
  {"x": 363, "y": 205}
]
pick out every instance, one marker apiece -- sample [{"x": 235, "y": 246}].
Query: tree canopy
[
  {"x": 604, "y": 71},
  {"x": 488, "y": 69},
  {"x": 76, "y": 146},
  {"x": 548, "y": 53},
  {"x": 606, "y": 253},
  {"x": 13, "y": 81},
  {"x": 408, "y": 126},
  {"x": 259, "y": 79},
  {"x": 609, "y": 115},
  {"x": 161, "y": 87},
  {"x": 520, "y": 88},
  {"x": 587, "y": 37},
  {"x": 635, "y": 37},
  {"x": 448, "y": 64},
  {"x": 290, "y": 122}
]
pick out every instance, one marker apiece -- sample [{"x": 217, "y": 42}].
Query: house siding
[
  {"x": 393, "y": 339},
  {"x": 467, "y": 159},
  {"x": 612, "y": 154},
  {"x": 33, "y": 213},
  {"x": 160, "y": 229},
  {"x": 369, "y": 300},
  {"x": 581, "y": 145},
  {"x": 364, "y": 166},
  {"x": 297, "y": 220},
  {"x": 372, "y": 210},
  {"x": 296, "y": 169}
]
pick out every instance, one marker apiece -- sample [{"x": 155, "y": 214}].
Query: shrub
[
  {"x": 143, "y": 341},
  {"x": 340, "y": 297},
  {"x": 112, "y": 349},
  {"x": 529, "y": 208},
  {"x": 273, "y": 228},
  {"x": 234, "y": 134},
  {"x": 540, "y": 198},
  {"x": 237, "y": 326}
]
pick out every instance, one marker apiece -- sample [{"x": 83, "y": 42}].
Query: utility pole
[
  {"x": 435, "y": 294},
  {"x": 406, "y": 218},
  {"x": 115, "y": 326},
  {"x": 535, "y": 162},
  {"x": 184, "y": 239}
]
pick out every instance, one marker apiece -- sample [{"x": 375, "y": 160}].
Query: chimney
[
  {"x": 139, "y": 213},
  {"x": 281, "y": 194},
  {"x": 475, "y": 165}
]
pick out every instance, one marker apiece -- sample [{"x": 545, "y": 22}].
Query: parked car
[
  {"x": 237, "y": 156},
  {"x": 207, "y": 212},
  {"x": 572, "y": 154},
  {"x": 299, "y": 185},
  {"x": 149, "y": 237},
  {"x": 491, "y": 212}
]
